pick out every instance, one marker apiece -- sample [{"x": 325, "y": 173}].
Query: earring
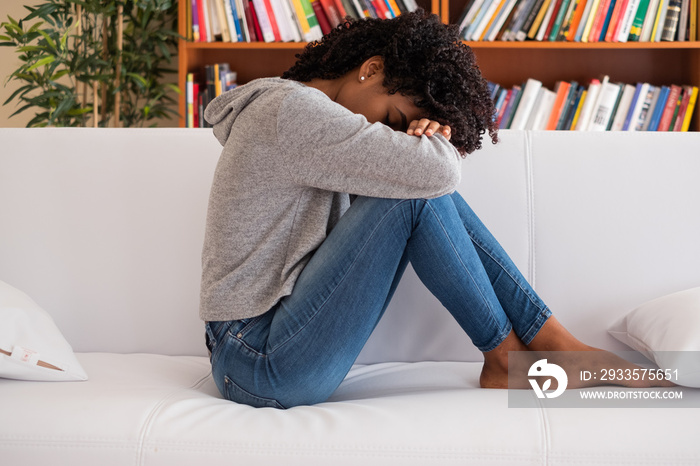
[{"x": 362, "y": 78}]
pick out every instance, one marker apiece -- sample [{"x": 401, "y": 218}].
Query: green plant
[{"x": 89, "y": 62}]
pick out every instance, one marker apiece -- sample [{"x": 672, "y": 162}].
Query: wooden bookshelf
[{"x": 507, "y": 63}]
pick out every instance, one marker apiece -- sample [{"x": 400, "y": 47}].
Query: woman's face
[{"x": 371, "y": 99}]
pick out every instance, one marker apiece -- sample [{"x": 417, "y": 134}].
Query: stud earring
[{"x": 362, "y": 78}]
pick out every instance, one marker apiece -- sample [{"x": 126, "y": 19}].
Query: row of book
[
  {"x": 218, "y": 78},
  {"x": 580, "y": 20},
  {"x": 601, "y": 106},
  {"x": 281, "y": 20}
]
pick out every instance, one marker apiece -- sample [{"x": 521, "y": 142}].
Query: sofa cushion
[
  {"x": 667, "y": 331},
  {"x": 31, "y": 346}
]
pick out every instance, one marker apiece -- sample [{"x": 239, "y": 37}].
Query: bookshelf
[{"x": 507, "y": 63}]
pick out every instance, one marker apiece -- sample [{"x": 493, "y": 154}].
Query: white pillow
[
  {"x": 667, "y": 331},
  {"x": 31, "y": 346}
]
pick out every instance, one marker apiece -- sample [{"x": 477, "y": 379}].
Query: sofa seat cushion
[{"x": 146, "y": 409}]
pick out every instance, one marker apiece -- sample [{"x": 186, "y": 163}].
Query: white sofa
[{"x": 103, "y": 229}]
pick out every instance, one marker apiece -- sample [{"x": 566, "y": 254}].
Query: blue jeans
[{"x": 301, "y": 350}]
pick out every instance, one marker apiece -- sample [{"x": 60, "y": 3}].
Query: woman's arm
[{"x": 326, "y": 146}]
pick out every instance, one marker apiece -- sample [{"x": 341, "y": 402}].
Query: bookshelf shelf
[{"x": 507, "y": 63}]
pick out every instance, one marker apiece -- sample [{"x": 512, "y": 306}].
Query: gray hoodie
[{"x": 291, "y": 157}]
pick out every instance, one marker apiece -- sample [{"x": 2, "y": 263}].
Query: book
[
  {"x": 648, "y": 25},
  {"x": 303, "y": 21},
  {"x": 660, "y": 20},
  {"x": 478, "y": 18},
  {"x": 671, "y": 22},
  {"x": 499, "y": 20},
  {"x": 332, "y": 12},
  {"x": 489, "y": 15},
  {"x": 636, "y": 28},
  {"x": 288, "y": 26},
  {"x": 202, "y": 21},
  {"x": 606, "y": 102},
  {"x": 641, "y": 108},
  {"x": 691, "y": 108},
  {"x": 579, "y": 108},
  {"x": 676, "y": 109},
  {"x": 659, "y": 107},
  {"x": 570, "y": 104},
  {"x": 588, "y": 24},
  {"x": 645, "y": 114},
  {"x": 542, "y": 110},
  {"x": 628, "y": 94},
  {"x": 539, "y": 17},
  {"x": 683, "y": 21},
  {"x": 578, "y": 16},
  {"x": 684, "y": 100},
  {"x": 321, "y": 16},
  {"x": 652, "y": 107},
  {"x": 238, "y": 11},
  {"x": 568, "y": 21},
  {"x": 561, "y": 89},
  {"x": 517, "y": 30},
  {"x": 588, "y": 106},
  {"x": 563, "y": 8},
  {"x": 504, "y": 100},
  {"x": 468, "y": 15},
  {"x": 669, "y": 109},
  {"x": 255, "y": 22},
  {"x": 513, "y": 102},
  {"x": 264, "y": 21},
  {"x": 194, "y": 15},
  {"x": 530, "y": 92},
  {"x": 500, "y": 102},
  {"x": 189, "y": 99},
  {"x": 634, "y": 106},
  {"x": 599, "y": 20},
  {"x": 627, "y": 19},
  {"x": 314, "y": 25},
  {"x": 213, "y": 27},
  {"x": 530, "y": 16},
  {"x": 233, "y": 21}
]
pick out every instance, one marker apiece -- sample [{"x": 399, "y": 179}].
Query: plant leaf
[
  {"x": 42, "y": 62},
  {"x": 49, "y": 40}
]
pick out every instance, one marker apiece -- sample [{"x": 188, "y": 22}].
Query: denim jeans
[{"x": 301, "y": 350}]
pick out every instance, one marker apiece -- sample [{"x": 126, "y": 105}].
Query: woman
[{"x": 295, "y": 278}]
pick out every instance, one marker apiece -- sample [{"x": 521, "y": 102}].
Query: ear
[{"x": 372, "y": 67}]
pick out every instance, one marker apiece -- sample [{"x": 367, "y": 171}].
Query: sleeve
[{"x": 326, "y": 146}]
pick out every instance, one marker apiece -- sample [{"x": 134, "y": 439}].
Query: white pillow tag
[{"x": 25, "y": 355}]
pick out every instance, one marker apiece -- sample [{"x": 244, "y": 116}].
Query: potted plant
[{"x": 94, "y": 62}]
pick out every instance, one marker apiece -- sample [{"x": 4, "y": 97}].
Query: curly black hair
[{"x": 423, "y": 58}]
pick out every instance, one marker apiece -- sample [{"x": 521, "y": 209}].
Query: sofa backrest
[{"x": 104, "y": 229}]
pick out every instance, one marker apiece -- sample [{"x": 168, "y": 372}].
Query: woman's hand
[{"x": 428, "y": 127}]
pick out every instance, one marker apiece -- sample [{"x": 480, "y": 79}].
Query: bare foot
[
  {"x": 601, "y": 367},
  {"x": 494, "y": 374},
  {"x": 585, "y": 366}
]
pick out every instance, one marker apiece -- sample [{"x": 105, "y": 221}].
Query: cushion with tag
[{"x": 31, "y": 346}]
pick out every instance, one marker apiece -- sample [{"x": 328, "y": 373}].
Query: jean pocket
[{"x": 235, "y": 393}]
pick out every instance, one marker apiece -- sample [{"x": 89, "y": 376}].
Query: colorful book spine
[
  {"x": 671, "y": 23},
  {"x": 638, "y": 21},
  {"x": 667, "y": 115},
  {"x": 691, "y": 108},
  {"x": 264, "y": 21}
]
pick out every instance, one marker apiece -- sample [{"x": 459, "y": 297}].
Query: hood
[{"x": 222, "y": 112}]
